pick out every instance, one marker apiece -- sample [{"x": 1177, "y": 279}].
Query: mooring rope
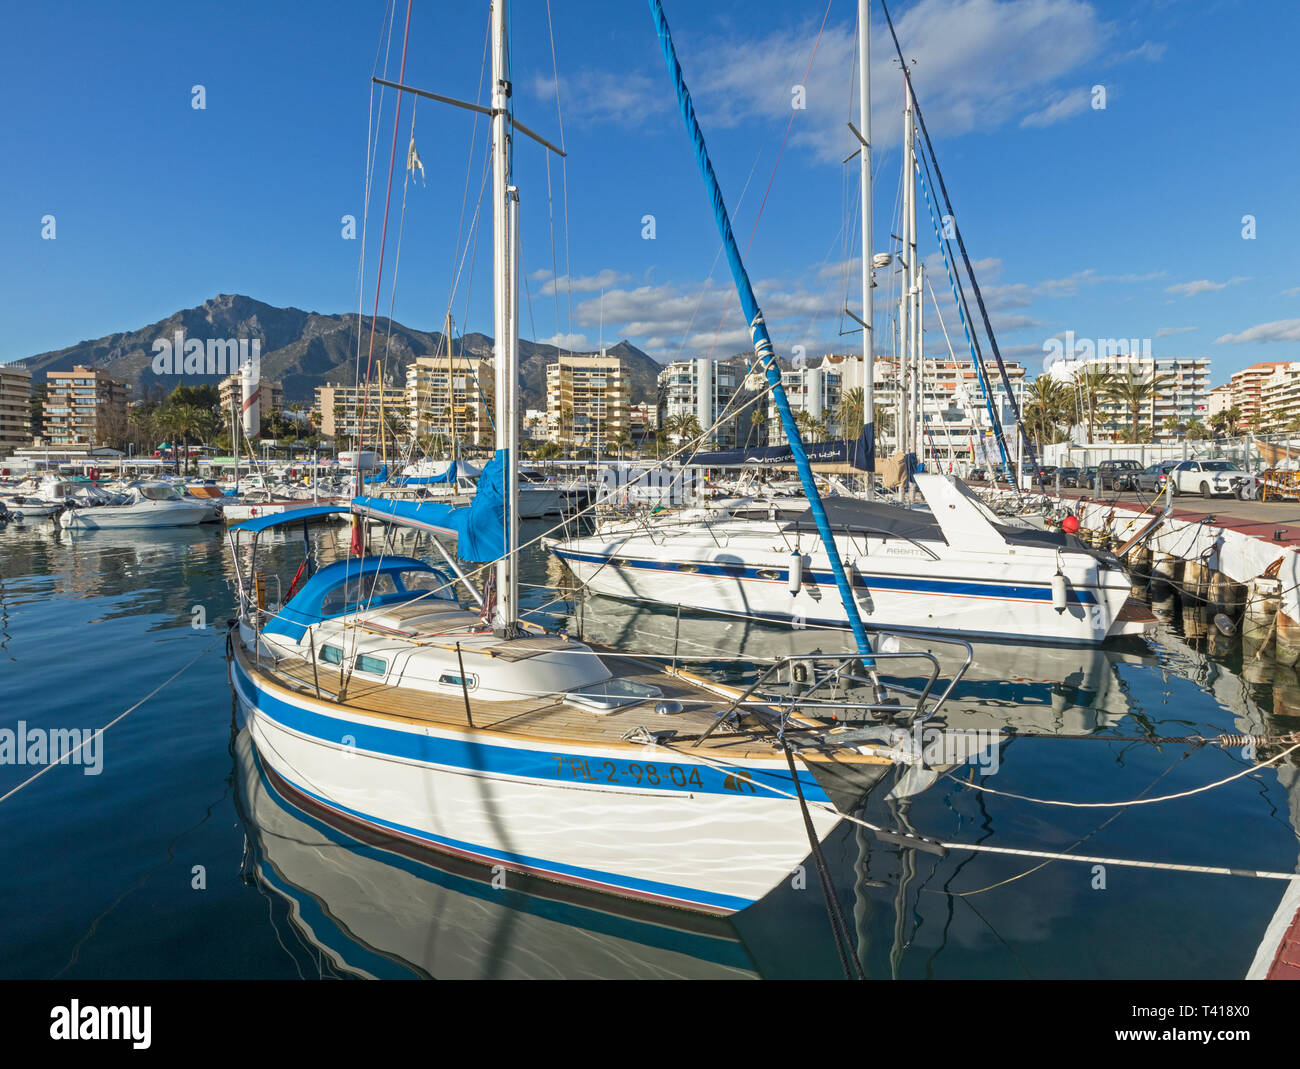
[
  {"x": 121, "y": 716},
  {"x": 1011, "y": 851},
  {"x": 1136, "y": 801}
]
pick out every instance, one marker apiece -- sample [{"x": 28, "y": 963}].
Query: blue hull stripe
[
  {"x": 905, "y": 584},
  {"x": 553, "y": 765},
  {"x": 301, "y": 719}
]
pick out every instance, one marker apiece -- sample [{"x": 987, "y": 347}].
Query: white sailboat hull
[{"x": 559, "y": 810}]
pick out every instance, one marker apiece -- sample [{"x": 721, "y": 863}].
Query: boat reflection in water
[{"x": 379, "y": 907}]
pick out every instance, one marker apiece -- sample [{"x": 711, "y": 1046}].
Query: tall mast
[
  {"x": 504, "y": 346},
  {"x": 909, "y": 253},
  {"x": 868, "y": 244},
  {"x": 451, "y": 387}
]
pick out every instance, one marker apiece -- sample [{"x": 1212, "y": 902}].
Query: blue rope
[
  {"x": 758, "y": 330},
  {"x": 965, "y": 326}
]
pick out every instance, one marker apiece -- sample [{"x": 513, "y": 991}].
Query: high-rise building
[
  {"x": 84, "y": 407},
  {"x": 705, "y": 390},
  {"x": 341, "y": 411},
  {"x": 815, "y": 390},
  {"x": 444, "y": 399},
  {"x": 1245, "y": 387},
  {"x": 587, "y": 399},
  {"x": 15, "y": 408},
  {"x": 955, "y": 405},
  {"x": 1279, "y": 398},
  {"x": 1183, "y": 394}
]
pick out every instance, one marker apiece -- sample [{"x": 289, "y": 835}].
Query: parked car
[
  {"x": 1154, "y": 478},
  {"x": 1210, "y": 478},
  {"x": 1069, "y": 476},
  {"x": 1087, "y": 479},
  {"x": 1117, "y": 474},
  {"x": 1046, "y": 475}
]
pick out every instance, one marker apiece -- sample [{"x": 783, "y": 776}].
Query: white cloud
[
  {"x": 603, "y": 280},
  {"x": 576, "y": 342},
  {"x": 1167, "y": 332},
  {"x": 1293, "y": 292},
  {"x": 1063, "y": 105},
  {"x": 979, "y": 64},
  {"x": 1278, "y": 330},
  {"x": 1204, "y": 285}
]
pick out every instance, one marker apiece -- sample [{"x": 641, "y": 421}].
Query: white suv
[{"x": 1209, "y": 478}]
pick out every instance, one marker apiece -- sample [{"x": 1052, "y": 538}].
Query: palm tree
[
  {"x": 1093, "y": 387},
  {"x": 1048, "y": 404},
  {"x": 1195, "y": 430},
  {"x": 850, "y": 412},
  {"x": 1134, "y": 394},
  {"x": 1172, "y": 425},
  {"x": 758, "y": 419}
]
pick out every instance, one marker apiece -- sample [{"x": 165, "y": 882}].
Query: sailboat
[
  {"x": 952, "y": 568},
  {"x": 373, "y": 695}
]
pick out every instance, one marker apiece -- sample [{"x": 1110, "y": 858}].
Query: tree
[
  {"x": 1172, "y": 425},
  {"x": 1093, "y": 387},
  {"x": 1048, "y": 405},
  {"x": 851, "y": 412},
  {"x": 1134, "y": 394},
  {"x": 1195, "y": 430},
  {"x": 758, "y": 421}
]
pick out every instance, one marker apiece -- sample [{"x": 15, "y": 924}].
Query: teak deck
[{"x": 555, "y": 721}]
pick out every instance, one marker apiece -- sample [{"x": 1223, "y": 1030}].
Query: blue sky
[{"x": 1122, "y": 222}]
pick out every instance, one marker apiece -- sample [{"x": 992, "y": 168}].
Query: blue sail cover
[
  {"x": 381, "y": 476},
  {"x": 479, "y": 527},
  {"x": 856, "y": 454},
  {"x": 448, "y": 476}
]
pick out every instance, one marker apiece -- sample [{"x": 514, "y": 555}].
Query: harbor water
[{"x": 164, "y": 851}]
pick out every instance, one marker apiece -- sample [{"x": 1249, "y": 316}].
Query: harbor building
[
  {"x": 339, "y": 411},
  {"x": 15, "y": 408},
  {"x": 587, "y": 400},
  {"x": 84, "y": 407},
  {"x": 444, "y": 399},
  {"x": 704, "y": 389}
]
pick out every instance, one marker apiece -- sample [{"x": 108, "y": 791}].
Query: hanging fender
[
  {"x": 796, "y": 571},
  {"x": 1058, "y": 592}
]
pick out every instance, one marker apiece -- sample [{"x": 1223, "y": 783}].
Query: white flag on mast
[{"x": 413, "y": 161}]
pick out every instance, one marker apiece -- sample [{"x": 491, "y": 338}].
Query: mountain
[{"x": 303, "y": 350}]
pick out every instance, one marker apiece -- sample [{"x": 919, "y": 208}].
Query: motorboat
[{"x": 951, "y": 568}]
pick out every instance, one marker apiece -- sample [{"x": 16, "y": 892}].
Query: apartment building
[
  {"x": 1279, "y": 398},
  {"x": 444, "y": 399},
  {"x": 15, "y": 408},
  {"x": 587, "y": 400},
  {"x": 1245, "y": 388},
  {"x": 351, "y": 413},
  {"x": 705, "y": 390},
  {"x": 84, "y": 407},
  {"x": 815, "y": 390},
  {"x": 1184, "y": 395},
  {"x": 955, "y": 406}
]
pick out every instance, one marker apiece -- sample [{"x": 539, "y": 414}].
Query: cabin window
[
  {"x": 375, "y": 666},
  {"x": 356, "y": 592},
  {"x": 424, "y": 581},
  {"x": 331, "y": 655},
  {"x": 469, "y": 682}
]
